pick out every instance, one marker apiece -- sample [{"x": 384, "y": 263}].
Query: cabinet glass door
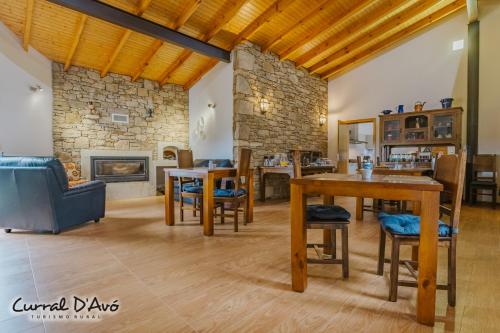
[
  {"x": 443, "y": 127},
  {"x": 415, "y": 135},
  {"x": 392, "y": 130}
]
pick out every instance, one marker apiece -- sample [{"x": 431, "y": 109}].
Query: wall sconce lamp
[
  {"x": 322, "y": 119},
  {"x": 211, "y": 106},
  {"x": 36, "y": 88},
  {"x": 264, "y": 105},
  {"x": 91, "y": 108},
  {"x": 149, "y": 111}
]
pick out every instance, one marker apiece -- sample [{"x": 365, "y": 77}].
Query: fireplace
[{"x": 116, "y": 169}]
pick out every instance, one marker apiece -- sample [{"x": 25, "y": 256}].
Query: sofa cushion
[
  {"x": 327, "y": 213},
  {"x": 409, "y": 225},
  {"x": 33, "y": 162},
  {"x": 71, "y": 171}
]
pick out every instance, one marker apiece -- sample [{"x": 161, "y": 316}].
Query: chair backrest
[
  {"x": 450, "y": 171},
  {"x": 245, "y": 155},
  {"x": 297, "y": 167},
  {"x": 185, "y": 158},
  {"x": 358, "y": 161},
  {"x": 484, "y": 163}
]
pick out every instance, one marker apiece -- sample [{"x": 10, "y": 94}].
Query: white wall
[
  {"x": 25, "y": 116},
  {"x": 216, "y": 126},
  {"x": 424, "y": 68}
]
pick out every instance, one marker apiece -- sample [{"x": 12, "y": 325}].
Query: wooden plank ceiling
[{"x": 327, "y": 37}]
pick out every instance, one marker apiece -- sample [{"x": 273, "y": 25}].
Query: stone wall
[
  {"x": 76, "y": 127},
  {"x": 296, "y": 100}
]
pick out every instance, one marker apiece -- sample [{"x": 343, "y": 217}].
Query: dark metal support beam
[
  {"x": 472, "y": 98},
  {"x": 138, "y": 24}
]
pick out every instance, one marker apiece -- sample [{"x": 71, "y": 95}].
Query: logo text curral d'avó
[{"x": 72, "y": 308}]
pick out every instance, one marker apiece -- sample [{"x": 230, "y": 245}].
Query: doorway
[{"x": 356, "y": 138}]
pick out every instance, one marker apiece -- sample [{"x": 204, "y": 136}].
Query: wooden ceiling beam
[
  {"x": 365, "y": 39},
  {"x": 332, "y": 22},
  {"x": 321, "y": 6},
  {"x": 141, "y": 8},
  {"x": 338, "y": 40},
  {"x": 223, "y": 16},
  {"x": 30, "y": 4},
  {"x": 275, "y": 9},
  {"x": 200, "y": 73},
  {"x": 472, "y": 11},
  {"x": 189, "y": 9},
  {"x": 390, "y": 41},
  {"x": 76, "y": 41},
  {"x": 116, "y": 51},
  {"x": 147, "y": 58},
  {"x": 178, "y": 62},
  {"x": 138, "y": 24}
]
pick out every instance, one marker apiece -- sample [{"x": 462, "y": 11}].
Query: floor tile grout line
[
  {"x": 34, "y": 279},
  {"x": 146, "y": 286}
]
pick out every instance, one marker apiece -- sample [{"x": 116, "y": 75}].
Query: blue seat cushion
[
  {"x": 229, "y": 193},
  {"x": 327, "y": 213},
  {"x": 190, "y": 188},
  {"x": 409, "y": 225}
]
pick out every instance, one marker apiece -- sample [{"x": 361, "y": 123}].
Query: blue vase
[
  {"x": 367, "y": 165},
  {"x": 401, "y": 108},
  {"x": 446, "y": 103}
]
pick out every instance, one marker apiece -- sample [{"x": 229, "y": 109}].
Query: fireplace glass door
[{"x": 120, "y": 169}]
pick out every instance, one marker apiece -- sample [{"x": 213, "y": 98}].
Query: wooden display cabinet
[{"x": 442, "y": 127}]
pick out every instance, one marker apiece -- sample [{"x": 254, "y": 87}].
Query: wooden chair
[
  {"x": 450, "y": 171},
  {"x": 484, "y": 164},
  {"x": 329, "y": 217},
  {"x": 187, "y": 186},
  {"x": 239, "y": 194}
]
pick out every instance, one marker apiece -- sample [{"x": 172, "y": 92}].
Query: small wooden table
[
  {"x": 209, "y": 177},
  {"x": 306, "y": 170},
  {"x": 420, "y": 189}
]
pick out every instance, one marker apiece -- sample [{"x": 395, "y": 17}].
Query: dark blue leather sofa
[{"x": 34, "y": 195}]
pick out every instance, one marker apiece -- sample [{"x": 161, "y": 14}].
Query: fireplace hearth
[{"x": 116, "y": 169}]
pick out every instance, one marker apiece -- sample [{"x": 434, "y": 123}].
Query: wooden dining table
[
  {"x": 424, "y": 190},
  {"x": 209, "y": 176},
  {"x": 405, "y": 171}
]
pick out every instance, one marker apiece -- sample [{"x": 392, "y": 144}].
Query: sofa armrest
[{"x": 86, "y": 187}]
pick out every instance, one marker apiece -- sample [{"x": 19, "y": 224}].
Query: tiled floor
[{"x": 173, "y": 279}]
